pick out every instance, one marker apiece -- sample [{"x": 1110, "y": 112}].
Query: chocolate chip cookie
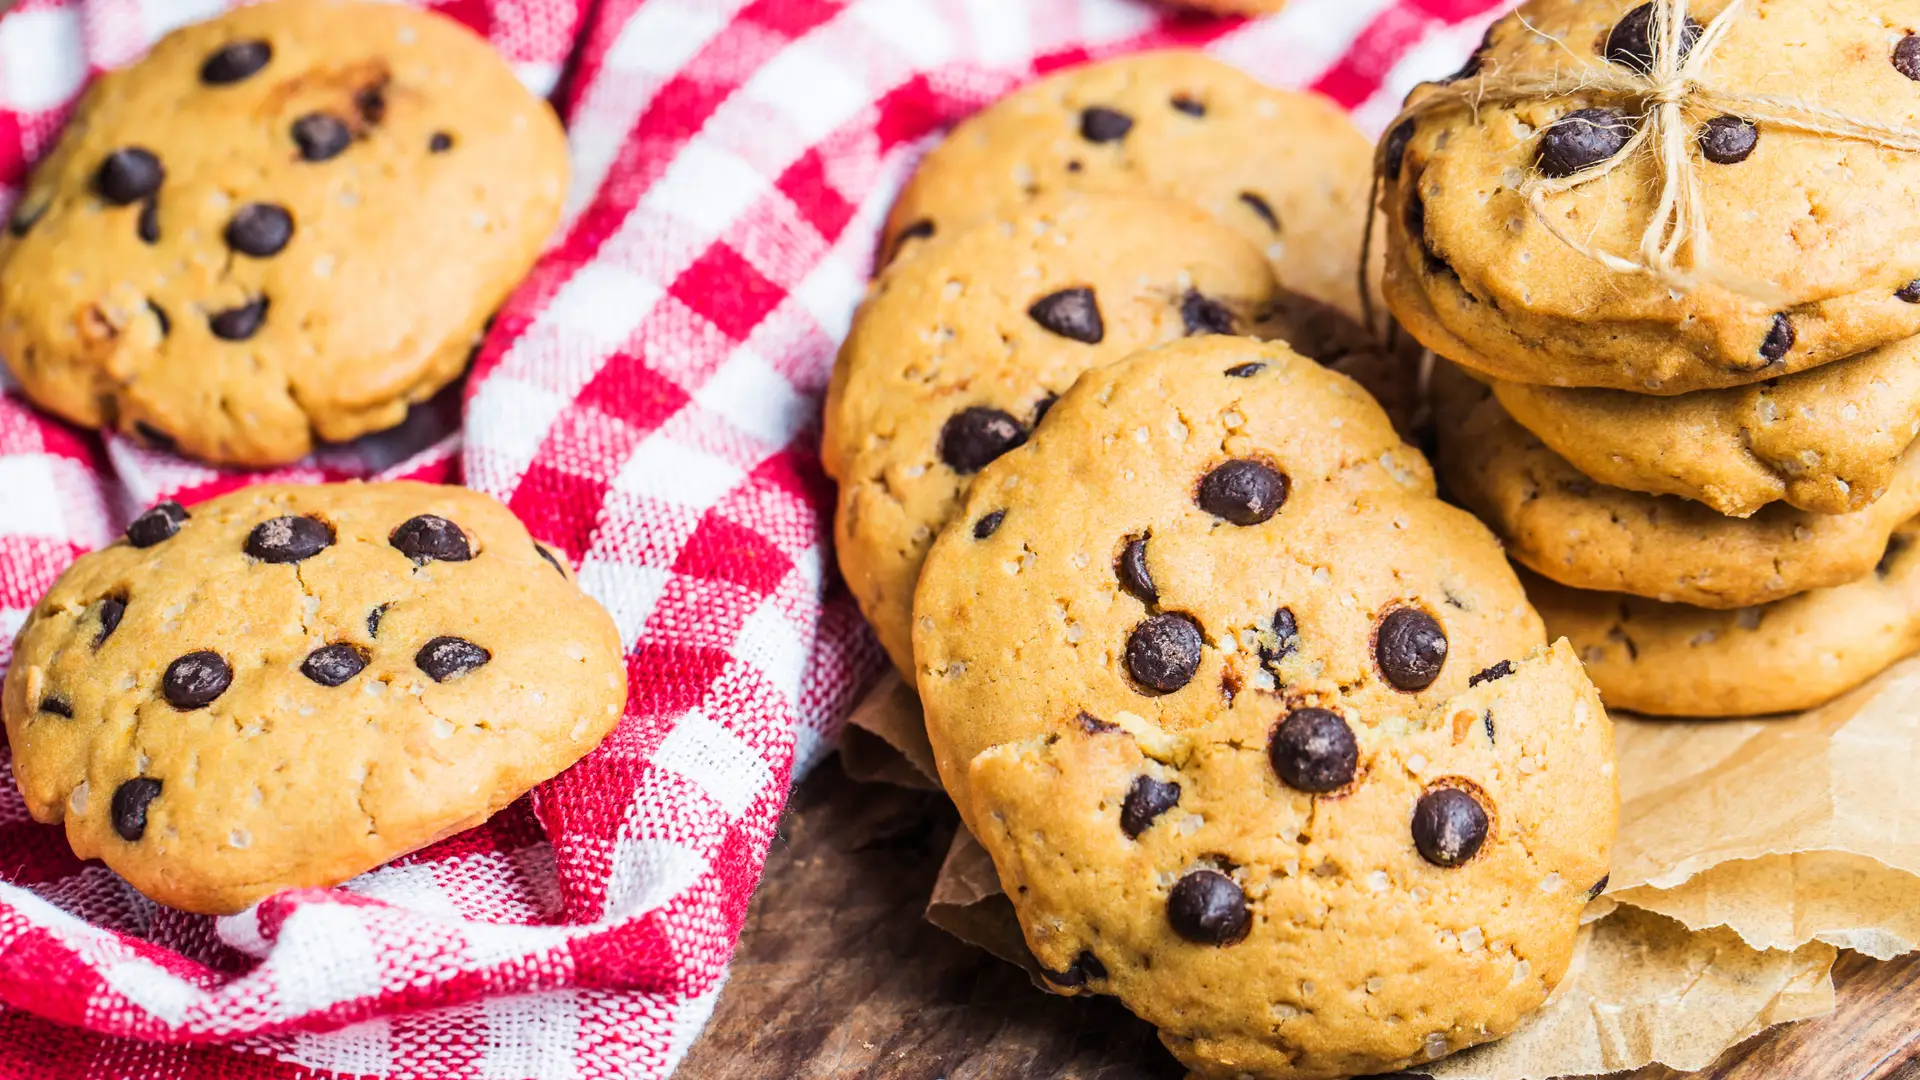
[
  {"x": 286, "y": 686},
  {"x": 1231, "y": 698},
  {"x": 1828, "y": 440},
  {"x": 958, "y": 352},
  {"x": 1287, "y": 169},
  {"x": 1813, "y": 253},
  {"x": 1585, "y": 534},
  {"x": 1675, "y": 660},
  {"x": 282, "y": 226}
]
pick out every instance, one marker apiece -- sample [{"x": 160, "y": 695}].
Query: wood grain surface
[{"x": 838, "y": 977}]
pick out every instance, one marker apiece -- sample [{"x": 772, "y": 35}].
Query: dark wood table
[{"x": 839, "y": 976}]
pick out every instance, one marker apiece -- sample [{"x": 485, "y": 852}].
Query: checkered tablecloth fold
[{"x": 648, "y": 403}]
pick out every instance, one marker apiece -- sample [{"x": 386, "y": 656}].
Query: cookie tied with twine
[{"x": 1661, "y": 99}]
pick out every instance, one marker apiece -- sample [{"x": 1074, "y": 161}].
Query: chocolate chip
[
  {"x": 988, "y": 524},
  {"x": 128, "y": 175},
  {"x": 1245, "y": 371},
  {"x": 1448, "y": 826},
  {"x": 130, "y": 802},
  {"x": 1396, "y": 146},
  {"x": 112, "y": 610},
  {"x": 1476, "y": 58},
  {"x": 25, "y": 216},
  {"x": 1163, "y": 651},
  {"x": 429, "y": 537},
  {"x": 1243, "y": 492},
  {"x": 193, "y": 681},
  {"x": 1203, "y": 315},
  {"x": 918, "y": 230},
  {"x": 1189, "y": 105},
  {"x": 373, "y": 620},
  {"x": 153, "y": 436},
  {"x": 541, "y": 550},
  {"x": 1498, "y": 671},
  {"x": 1416, "y": 224},
  {"x": 974, "y": 436},
  {"x": 1630, "y": 42},
  {"x": 259, "y": 230},
  {"x": 1093, "y": 725},
  {"x": 147, "y": 227},
  {"x": 1487, "y": 719},
  {"x": 1581, "y": 139},
  {"x": 289, "y": 538},
  {"x": 235, "y": 62},
  {"x": 1895, "y": 545},
  {"x": 1410, "y": 648},
  {"x": 1910, "y": 292},
  {"x": 1906, "y": 57},
  {"x": 1598, "y": 887},
  {"x": 239, "y": 324},
  {"x": 1779, "y": 339},
  {"x": 1147, "y": 799},
  {"x": 1259, "y": 206},
  {"x": 1206, "y": 907},
  {"x": 331, "y": 665},
  {"x": 1131, "y": 569},
  {"x": 439, "y": 143},
  {"x": 445, "y": 658},
  {"x": 1085, "y": 966},
  {"x": 1040, "y": 410},
  {"x": 371, "y": 103},
  {"x": 160, "y": 316},
  {"x": 1313, "y": 750},
  {"x": 1071, "y": 313},
  {"x": 1286, "y": 638},
  {"x": 157, "y": 524},
  {"x": 1727, "y": 140},
  {"x": 58, "y": 706},
  {"x": 1103, "y": 125},
  {"x": 321, "y": 136}
]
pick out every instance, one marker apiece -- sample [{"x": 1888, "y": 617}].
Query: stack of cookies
[
  {"x": 1228, "y": 693},
  {"x": 1706, "y": 460}
]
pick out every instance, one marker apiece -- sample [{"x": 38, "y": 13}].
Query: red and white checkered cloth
[{"x": 648, "y": 403}]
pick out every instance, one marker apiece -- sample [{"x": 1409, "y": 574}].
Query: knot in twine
[{"x": 1671, "y": 83}]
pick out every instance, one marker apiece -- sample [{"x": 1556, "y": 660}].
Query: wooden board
[{"x": 839, "y": 977}]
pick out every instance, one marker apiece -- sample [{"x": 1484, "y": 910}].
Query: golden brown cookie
[
  {"x": 286, "y": 686},
  {"x": 1587, "y": 535},
  {"x": 1814, "y": 249},
  {"x": 1675, "y": 660},
  {"x": 1287, "y": 169},
  {"x": 1828, "y": 440},
  {"x": 284, "y": 225},
  {"x": 1260, "y": 733},
  {"x": 958, "y": 351}
]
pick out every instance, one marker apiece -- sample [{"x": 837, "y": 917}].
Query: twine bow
[{"x": 1671, "y": 84}]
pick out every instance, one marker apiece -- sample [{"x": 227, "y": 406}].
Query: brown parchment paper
[
  {"x": 1643, "y": 989},
  {"x": 1784, "y": 830},
  {"x": 885, "y": 738}
]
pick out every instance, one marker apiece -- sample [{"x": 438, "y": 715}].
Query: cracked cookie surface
[
  {"x": 289, "y": 685},
  {"x": 1286, "y": 169},
  {"x": 1797, "y": 653},
  {"x": 958, "y": 351},
  {"x": 211, "y": 257},
  {"x": 1207, "y": 668},
  {"x": 1588, "y": 535},
  {"x": 1827, "y": 440},
  {"x": 1814, "y": 250}
]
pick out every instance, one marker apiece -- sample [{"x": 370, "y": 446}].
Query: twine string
[{"x": 1662, "y": 95}]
